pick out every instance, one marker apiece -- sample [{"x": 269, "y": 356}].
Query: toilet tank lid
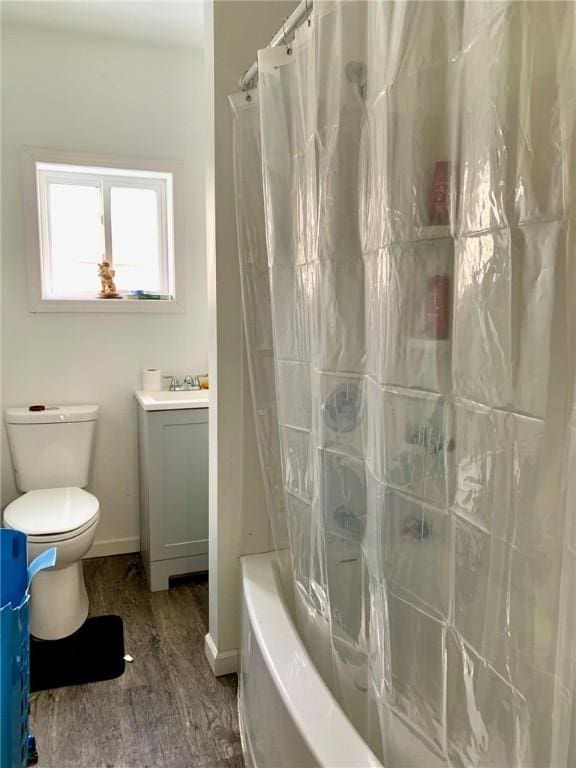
[{"x": 54, "y": 414}]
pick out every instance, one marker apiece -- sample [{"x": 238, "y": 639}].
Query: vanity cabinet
[{"x": 173, "y": 450}]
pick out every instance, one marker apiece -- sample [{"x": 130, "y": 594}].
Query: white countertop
[{"x": 173, "y": 401}]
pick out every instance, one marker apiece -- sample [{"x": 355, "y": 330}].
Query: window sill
[{"x": 105, "y": 306}]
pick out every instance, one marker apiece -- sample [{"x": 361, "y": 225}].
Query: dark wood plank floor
[{"x": 167, "y": 710}]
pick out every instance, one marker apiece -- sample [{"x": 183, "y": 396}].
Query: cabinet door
[{"x": 178, "y": 479}]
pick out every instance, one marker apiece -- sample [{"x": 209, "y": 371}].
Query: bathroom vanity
[{"x": 173, "y": 451}]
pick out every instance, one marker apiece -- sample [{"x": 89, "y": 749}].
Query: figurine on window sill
[{"x": 107, "y": 279}]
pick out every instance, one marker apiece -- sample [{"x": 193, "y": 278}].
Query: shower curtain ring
[
  {"x": 307, "y": 10},
  {"x": 284, "y": 31}
]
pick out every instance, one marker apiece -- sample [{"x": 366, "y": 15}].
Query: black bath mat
[{"x": 95, "y": 652}]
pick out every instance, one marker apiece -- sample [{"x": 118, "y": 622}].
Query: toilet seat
[
  {"x": 53, "y": 514},
  {"x": 51, "y": 539}
]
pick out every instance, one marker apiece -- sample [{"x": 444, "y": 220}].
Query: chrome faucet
[
  {"x": 175, "y": 385},
  {"x": 190, "y": 382}
]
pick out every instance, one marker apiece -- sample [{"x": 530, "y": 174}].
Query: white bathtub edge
[
  {"x": 324, "y": 727},
  {"x": 245, "y": 740}
]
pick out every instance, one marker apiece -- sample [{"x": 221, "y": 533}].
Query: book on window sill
[{"x": 146, "y": 296}]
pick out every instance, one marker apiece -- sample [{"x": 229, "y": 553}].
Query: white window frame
[{"x": 155, "y": 174}]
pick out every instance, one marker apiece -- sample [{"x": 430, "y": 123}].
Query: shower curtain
[{"x": 405, "y": 181}]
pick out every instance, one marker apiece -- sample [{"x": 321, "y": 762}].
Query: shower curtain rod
[{"x": 297, "y": 17}]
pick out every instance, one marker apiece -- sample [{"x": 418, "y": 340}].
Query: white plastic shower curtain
[{"x": 406, "y": 196}]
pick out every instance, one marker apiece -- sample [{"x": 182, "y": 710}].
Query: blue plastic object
[
  {"x": 32, "y": 751},
  {"x": 15, "y": 578}
]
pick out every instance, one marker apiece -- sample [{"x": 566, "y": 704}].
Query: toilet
[{"x": 52, "y": 455}]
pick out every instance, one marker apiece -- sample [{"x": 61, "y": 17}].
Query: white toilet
[{"x": 51, "y": 454}]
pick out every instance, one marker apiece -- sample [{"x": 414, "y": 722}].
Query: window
[{"x": 87, "y": 214}]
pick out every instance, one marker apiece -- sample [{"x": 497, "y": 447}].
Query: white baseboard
[
  {"x": 114, "y": 547},
  {"x": 221, "y": 662}
]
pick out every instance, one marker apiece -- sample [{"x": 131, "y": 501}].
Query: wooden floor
[{"x": 167, "y": 710}]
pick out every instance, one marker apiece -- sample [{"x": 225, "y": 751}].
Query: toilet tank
[{"x": 52, "y": 448}]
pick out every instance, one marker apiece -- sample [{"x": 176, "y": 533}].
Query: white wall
[
  {"x": 235, "y": 29},
  {"x": 76, "y": 92}
]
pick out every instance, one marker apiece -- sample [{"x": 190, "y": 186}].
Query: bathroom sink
[
  {"x": 193, "y": 394},
  {"x": 167, "y": 401}
]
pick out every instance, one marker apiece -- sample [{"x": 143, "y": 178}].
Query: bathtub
[{"x": 288, "y": 716}]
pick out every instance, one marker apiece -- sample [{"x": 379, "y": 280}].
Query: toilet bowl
[{"x": 67, "y": 519}]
